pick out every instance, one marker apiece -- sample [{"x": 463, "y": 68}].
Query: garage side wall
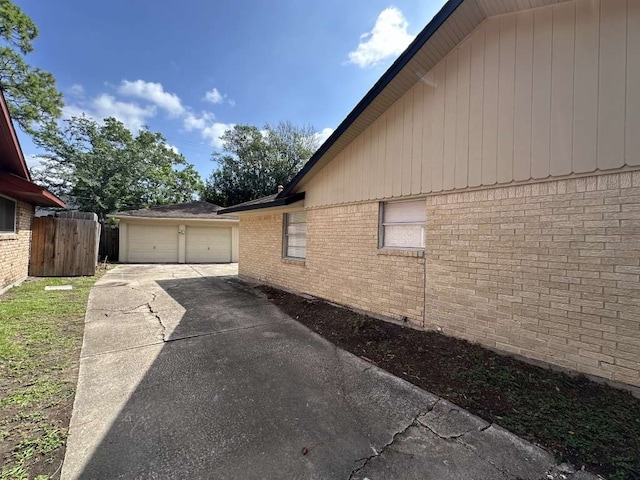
[
  {"x": 15, "y": 248},
  {"x": 549, "y": 271}
]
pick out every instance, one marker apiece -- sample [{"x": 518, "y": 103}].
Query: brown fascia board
[
  {"x": 277, "y": 202},
  {"x": 11, "y": 156}
]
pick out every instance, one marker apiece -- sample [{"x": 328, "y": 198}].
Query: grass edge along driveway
[{"x": 40, "y": 341}]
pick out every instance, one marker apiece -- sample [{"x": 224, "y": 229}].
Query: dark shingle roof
[
  {"x": 257, "y": 201},
  {"x": 181, "y": 210},
  {"x": 265, "y": 202}
]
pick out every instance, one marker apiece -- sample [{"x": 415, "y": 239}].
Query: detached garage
[{"x": 186, "y": 233}]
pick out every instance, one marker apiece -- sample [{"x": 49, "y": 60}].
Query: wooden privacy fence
[
  {"x": 64, "y": 246},
  {"x": 109, "y": 243}
]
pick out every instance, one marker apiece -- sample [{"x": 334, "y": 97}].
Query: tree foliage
[
  {"x": 31, "y": 93},
  {"x": 105, "y": 168},
  {"x": 254, "y": 162}
]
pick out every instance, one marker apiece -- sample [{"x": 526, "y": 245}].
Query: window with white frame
[
  {"x": 295, "y": 235},
  {"x": 402, "y": 224},
  {"x": 7, "y": 215}
]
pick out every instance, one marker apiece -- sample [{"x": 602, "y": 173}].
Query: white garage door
[
  {"x": 153, "y": 243},
  {"x": 208, "y": 245}
]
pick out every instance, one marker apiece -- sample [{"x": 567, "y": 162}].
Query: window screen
[
  {"x": 295, "y": 235},
  {"x": 403, "y": 224},
  {"x": 7, "y": 215}
]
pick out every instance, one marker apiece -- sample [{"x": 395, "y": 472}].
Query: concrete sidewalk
[{"x": 186, "y": 372}]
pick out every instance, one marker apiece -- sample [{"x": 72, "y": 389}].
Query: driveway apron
[{"x": 187, "y": 372}]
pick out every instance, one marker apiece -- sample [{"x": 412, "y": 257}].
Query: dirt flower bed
[{"x": 580, "y": 421}]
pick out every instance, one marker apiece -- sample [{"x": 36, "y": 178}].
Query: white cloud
[
  {"x": 34, "y": 162},
  {"x": 173, "y": 148},
  {"x": 389, "y": 37},
  {"x": 214, "y": 96},
  {"x": 208, "y": 128},
  {"x": 69, "y": 111},
  {"x": 214, "y": 131},
  {"x": 76, "y": 90},
  {"x": 154, "y": 93},
  {"x": 323, "y": 135},
  {"x": 133, "y": 115}
]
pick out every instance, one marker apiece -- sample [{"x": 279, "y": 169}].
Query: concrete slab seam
[{"x": 186, "y": 337}]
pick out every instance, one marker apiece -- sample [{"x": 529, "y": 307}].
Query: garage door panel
[
  {"x": 153, "y": 243},
  {"x": 208, "y": 245}
]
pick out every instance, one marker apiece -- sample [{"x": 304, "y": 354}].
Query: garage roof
[{"x": 192, "y": 210}]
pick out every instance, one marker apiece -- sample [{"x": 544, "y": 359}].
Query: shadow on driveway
[{"x": 188, "y": 373}]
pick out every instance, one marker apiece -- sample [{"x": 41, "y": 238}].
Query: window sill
[
  {"x": 8, "y": 236},
  {"x": 398, "y": 252},
  {"x": 294, "y": 261}
]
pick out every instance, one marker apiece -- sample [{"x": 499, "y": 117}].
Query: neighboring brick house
[
  {"x": 487, "y": 186},
  {"x": 18, "y": 198}
]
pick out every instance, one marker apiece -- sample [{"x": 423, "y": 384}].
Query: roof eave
[
  {"x": 142, "y": 217},
  {"x": 278, "y": 202},
  {"x": 432, "y": 27},
  {"x": 16, "y": 155},
  {"x": 26, "y": 191}
]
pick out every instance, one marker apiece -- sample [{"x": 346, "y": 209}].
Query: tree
[
  {"x": 105, "y": 168},
  {"x": 254, "y": 162},
  {"x": 31, "y": 93}
]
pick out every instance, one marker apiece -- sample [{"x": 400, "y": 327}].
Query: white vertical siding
[
  {"x": 416, "y": 139},
  {"x": 585, "y": 86},
  {"x": 544, "y": 92},
  {"x": 611, "y": 92},
  {"x": 437, "y": 127},
  {"x": 632, "y": 138},
  {"x": 523, "y": 92},
  {"x": 476, "y": 107},
  {"x": 490, "y": 105},
  {"x": 462, "y": 116},
  {"x": 541, "y": 96}
]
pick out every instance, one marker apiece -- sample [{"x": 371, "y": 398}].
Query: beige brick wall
[
  {"x": 550, "y": 271},
  {"x": 343, "y": 262},
  {"x": 15, "y": 248}
]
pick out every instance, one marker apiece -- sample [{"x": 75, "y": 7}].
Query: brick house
[
  {"x": 487, "y": 186},
  {"x": 18, "y": 198}
]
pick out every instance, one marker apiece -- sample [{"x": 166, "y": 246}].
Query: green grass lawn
[{"x": 40, "y": 340}]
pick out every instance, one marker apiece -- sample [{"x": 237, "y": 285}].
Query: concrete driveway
[{"x": 188, "y": 373}]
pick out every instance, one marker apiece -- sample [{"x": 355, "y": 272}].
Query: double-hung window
[
  {"x": 7, "y": 215},
  {"x": 402, "y": 224},
  {"x": 295, "y": 235}
]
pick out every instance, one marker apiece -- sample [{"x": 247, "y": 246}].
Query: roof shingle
[{"x": 196, "y": 210}]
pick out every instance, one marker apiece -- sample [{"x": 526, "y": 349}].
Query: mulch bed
[{"x": 580, "y": 421}]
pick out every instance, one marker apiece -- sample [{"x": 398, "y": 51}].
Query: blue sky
[{"x": 190, "y": 69}]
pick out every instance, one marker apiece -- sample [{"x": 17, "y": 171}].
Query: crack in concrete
[
  {"x": 503, "y": 471},
  {"x": 387, "y": 447},
  {"x": 156, "y": 314},
  {"x": 185, "y": 337},
  {"x": 453, "y": 437}
]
